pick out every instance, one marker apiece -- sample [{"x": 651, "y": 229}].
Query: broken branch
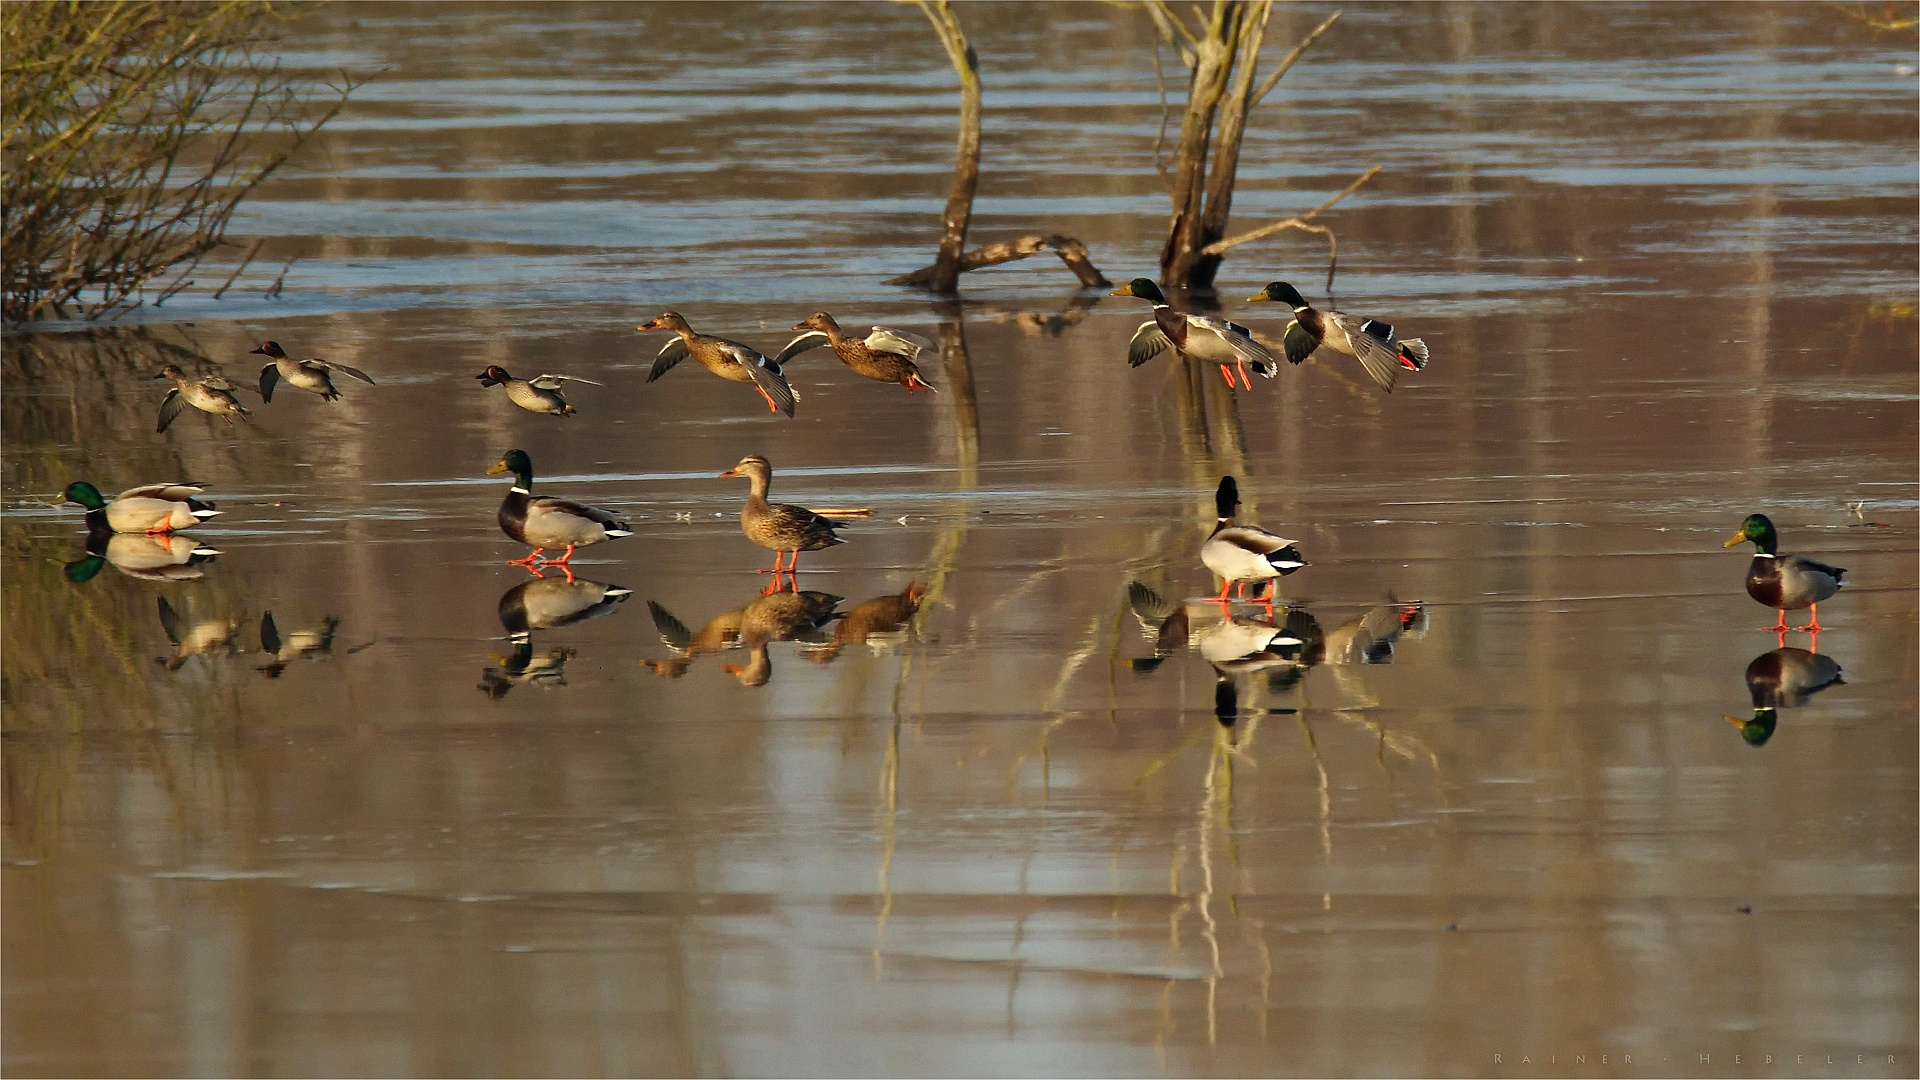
[{"x": 1071, "y": 251}]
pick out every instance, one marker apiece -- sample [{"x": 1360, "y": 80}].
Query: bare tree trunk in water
[
  {"x": 966, "y": 165},
  {"x": 1220, "y": 46}
]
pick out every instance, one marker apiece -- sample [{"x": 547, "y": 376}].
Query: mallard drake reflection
[
  {"x": 545, "y": 522},
  {"x": 884, "y": 355},
  {"x": 547, "y": 603},
  {"x": 540, "y": 394},
  {"x": 308, "y": 375},
  {"x": 779, "y": 527},
  {"x": 730, "y": 360},
  {"x": 150, "y": 508},
  {"x": 1243, "y": 553},
  {"x": 1785, "y": 582},
  {"x": 213, "y": 395},
  {"x": 1202, "y": 337},
  {"x": 1783, "y": 678},
  {"x": 147, "y": 556},
  {"x": 1370, "y": 341}
]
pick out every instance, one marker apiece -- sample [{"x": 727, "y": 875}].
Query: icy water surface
[{"x": 1665, "y": 260}]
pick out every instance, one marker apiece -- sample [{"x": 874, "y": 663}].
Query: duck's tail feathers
[
  {"x": 1413, "y": 354},
  {"x": 616, "y": 592},
  {"x": 1287, "y": 560},
  {"x": 205, "y": 514},
  {"x": 620, "y": 531}
]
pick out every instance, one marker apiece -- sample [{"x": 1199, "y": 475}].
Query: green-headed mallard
[
  {"x": 1785, "y": 582},
  {"x": 150, "y": 508},
  {"x": 546, "y": 603},
  {"x": 1243, "y": 553},
  {"x": 213, "y": 394},
  {"x": 730, "y": 360},
  {"x": 1368, "y": 340},
  {"x": 883, "y": 355},
  {"x": 308, "y": 375},
  {"x": 546, "y": 522},
  {"x": 779, "y": 527},
  {"x": 1202, "y": 337},
  {"x": 539, "y": 394}
]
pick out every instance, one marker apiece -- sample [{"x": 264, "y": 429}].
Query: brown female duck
[
  {"x": 779, "y": 527},
  {"x": 730, "y": 360},
  {"x": 883, "y": 355},
  {"x": 213, "y": 394},
  {"x": 308, "y": 375}
]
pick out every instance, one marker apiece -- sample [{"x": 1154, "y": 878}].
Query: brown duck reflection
[
  {"x": 309, "y": 643},
  {"x": 1783, "y": 678},
  {"x": 787, "y": 615},
  {"x": 151, "y": 557},
  {"x": 203, "y": 637},
  {"x": 881, "y": 623},
  {"x": 525, "y": 668}
]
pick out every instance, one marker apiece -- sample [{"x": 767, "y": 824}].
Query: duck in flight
[
  {"x": 1202, "y": 337},
  {"x": 1370, "y": 341}
]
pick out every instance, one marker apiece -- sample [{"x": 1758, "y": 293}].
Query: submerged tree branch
[
  {"x": 1305, "y": 43},
  {"x": 1303, "y": 223},
  {"x": 1071, "y": 251}
]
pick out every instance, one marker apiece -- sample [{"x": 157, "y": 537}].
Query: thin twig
[
  {"x": 1219, "y": 247},
  {"x": 236, "y": 270},
  {"x": 1305, "y": 42},
  {"x": 273, "y": 290},
  {"x": 1160, "y": 140}
]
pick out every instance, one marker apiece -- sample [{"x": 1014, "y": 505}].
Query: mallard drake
[
  {"x": 779, "y": 527},
  {"x": 205, "y": 637},
  {"x": 539, "y": 394},
  {"x": 730, "y": 360},
  {"x": 308, "y": 375},
  {"x": 1233, "y": 646},
  {"x": 1785, "y": 582},
  {"x": 150, "y": 508},
  {"x": 1783, "y": 678},
  {"x": 523, "y": 667},
  {"x": 1368, "y": 340},
  {"x": 546, "y": 522},
  {"x": 147, "y": 556},
  {"x": 721, "y": 632},
  {"x": 883, "y": 355},
  {"x": 213, "y": 394},
  {"x": 546, "y": 603},
  {"x": 1242, "y": 553},
  {"x": 311, "y": 643},
  {"x": 1202, "y": 337}
]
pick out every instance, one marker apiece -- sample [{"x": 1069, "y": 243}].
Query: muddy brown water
[{"x": 1665, "y": 260}]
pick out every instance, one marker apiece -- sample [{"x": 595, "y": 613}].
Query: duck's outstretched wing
[
  {"x": 673, "y": 633},
  {"x": 898, "y": 342},
  {"x": 1299, "y": 342},
  {"x": 1240, "y": 340},
  {"x": 269, "y": 378},
  {"x": 269, "y": 635},
  {"x": 1148, "y": 342},
  {"x": 1381, "y": 360},
  {"x": 170, "y": 407},
  {"x": 807, "y": 342},
  {"x": 180, "y": 492},
  {"x": 343, "y": 369},
  {"x": 552, "y": 382},
  {"x": 171, "y": 622},
  {"x": 674, "y": 351}
]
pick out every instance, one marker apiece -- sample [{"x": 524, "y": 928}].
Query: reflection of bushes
[{"x": 132, "y": 131}]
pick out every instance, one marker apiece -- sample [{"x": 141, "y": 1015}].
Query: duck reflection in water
[
  {"x": 546, "y": 603},
  {"x": 311, "y": 643},
  {"x": 882, "y": 624},
  {"x": 205, "y": 637},
  {"x": 1783, "y": 678},
  {"x": 1233, "y": 646},
  {"x": 787, "y": 615},
  {"x": 155, "y": 557},
  {"x": 525, "y": 668}
]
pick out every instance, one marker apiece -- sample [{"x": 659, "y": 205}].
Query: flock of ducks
[{"x": 136, "y": 531}]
